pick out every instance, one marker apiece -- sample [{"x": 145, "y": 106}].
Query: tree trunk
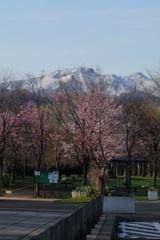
[
  {"x": 101, "y": 185},
  {"x": 143, "y": 170},
  {"x": 85, "y": 170},
  {"x": 149, "y": 169},
  {"x": 24, "y": 170},
  {"x": 13, "y": 176},
  {"x": 155, "y": 176},
  {"x": 36, "y": 190},
  {"x": 139, "y": 169},
  {"x": 127, "y": 170},
  {"x": 13, "y": 173},
  {"x": 1, "y": 165},
  {"x": 135, "y": 170},
  {"x": 102, "y": 179},
  {"x": 37, "y": 185},
  {"x": 117, "y": 169},
  {"x": 57, "y": 164}
]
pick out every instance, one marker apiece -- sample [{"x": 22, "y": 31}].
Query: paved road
[
  {"x": 26, "y": 224},
  {"x": 23, "y": 218},
  {"x": 147, "y": 207},
  {"x": 40, "y": 205}
]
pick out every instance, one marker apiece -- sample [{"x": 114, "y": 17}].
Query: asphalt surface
[
  {"x": 23, "y": 201},
  {"x": 22, "y": 217}
]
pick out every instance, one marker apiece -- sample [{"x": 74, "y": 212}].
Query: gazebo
[{"x": 127, "y": 160}]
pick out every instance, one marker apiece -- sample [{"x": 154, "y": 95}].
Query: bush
[
  {"x": 6, "y": 180},
  {"x": 68, "y": 170},
  {"x": 29, "y": 170},
  {"x": 83, "y": 189}
]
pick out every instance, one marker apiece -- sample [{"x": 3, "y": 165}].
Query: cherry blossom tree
[
  {"x": 99, "y": 115},
  {"x": 34, "y": 128},
  {"x": 56, "y": 148},
  {"x": 15, "y": 151},
  {"x": 7, "y": 100},
  {"x": 7, "y": 123},
  {"x": 64, "y": 110},
  {"x": 90, "y": 119},
  {"x": 13, "y": 155}
]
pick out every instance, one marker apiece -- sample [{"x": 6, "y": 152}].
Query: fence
[{"x": 77, "y": 225}]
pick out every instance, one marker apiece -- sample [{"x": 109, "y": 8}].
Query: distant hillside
[{"x": 116, "y": 85}]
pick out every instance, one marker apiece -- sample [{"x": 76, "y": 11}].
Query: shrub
[
  {"x": 83, "y": 189},
  {"x": 6, "y": 180}
]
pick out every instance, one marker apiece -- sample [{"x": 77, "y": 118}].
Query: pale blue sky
[{"x": 119, "y": 36}]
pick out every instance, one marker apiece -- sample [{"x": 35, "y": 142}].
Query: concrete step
[{"x": 96, "y": 229}]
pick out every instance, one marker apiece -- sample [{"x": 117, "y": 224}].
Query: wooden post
[{"x": 44, "y": 188}]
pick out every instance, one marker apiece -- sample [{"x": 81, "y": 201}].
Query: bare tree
[
  {"x": 150, "y": 136},
  {"x": 131, "y": 117},
  {"x": 152, "y": 86}
]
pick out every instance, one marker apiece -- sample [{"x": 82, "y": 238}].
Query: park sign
[{"x": 46, "y": 176}]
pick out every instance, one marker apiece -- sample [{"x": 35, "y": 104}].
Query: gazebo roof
[{"x": 125, "y": 159}]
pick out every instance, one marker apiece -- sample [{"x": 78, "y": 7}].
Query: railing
[{"x": 77, "y": 225}]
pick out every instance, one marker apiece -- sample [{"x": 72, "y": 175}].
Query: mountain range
[{"x": 116, "y": 84}]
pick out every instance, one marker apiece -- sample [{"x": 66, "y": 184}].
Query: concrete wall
[
  {"x": 116, "y": 204},
  {"x": 77, "y": 225}
]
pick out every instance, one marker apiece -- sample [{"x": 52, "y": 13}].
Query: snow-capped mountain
[
  {"x": 125, "y": 84},
  {"x": 116, "y": 84}
]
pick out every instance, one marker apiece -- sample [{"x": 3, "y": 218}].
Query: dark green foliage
[
  {"x": 5, "y": 180},
  {"x": 69, "y": 170},
  {"x": 29, "y": 170}
]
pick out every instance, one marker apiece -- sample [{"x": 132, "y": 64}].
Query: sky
[{"x": 120, "y": 37}]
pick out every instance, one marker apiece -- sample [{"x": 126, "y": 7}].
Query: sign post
[{"x": 44, "y": 177}]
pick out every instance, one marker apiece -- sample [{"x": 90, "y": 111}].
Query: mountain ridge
[{"x": 117, "y": 84}]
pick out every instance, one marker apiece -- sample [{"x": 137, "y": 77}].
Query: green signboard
[{"x": 46, "y": 176}]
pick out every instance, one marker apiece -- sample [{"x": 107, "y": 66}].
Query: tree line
[{"x": 77, "y": 124}]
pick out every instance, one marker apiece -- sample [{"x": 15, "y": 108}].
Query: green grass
[
  {"x": 74, "y": 200},
  {"x": 27, "y": 181},
  {"x": 140, "y": 194},
  {"x": 19, "y": 183},
  {"x": 138, "y": 182},
  {"x": 27, "y": 184}
]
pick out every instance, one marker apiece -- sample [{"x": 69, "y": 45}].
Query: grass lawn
[
  {"x": 74, "y": 200},
  {"x": 20, "y": 184},
  {"x": 138, "y": 182},
  {"x": 23, "y": 183},
  {"x": 27, "y": 184}
]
